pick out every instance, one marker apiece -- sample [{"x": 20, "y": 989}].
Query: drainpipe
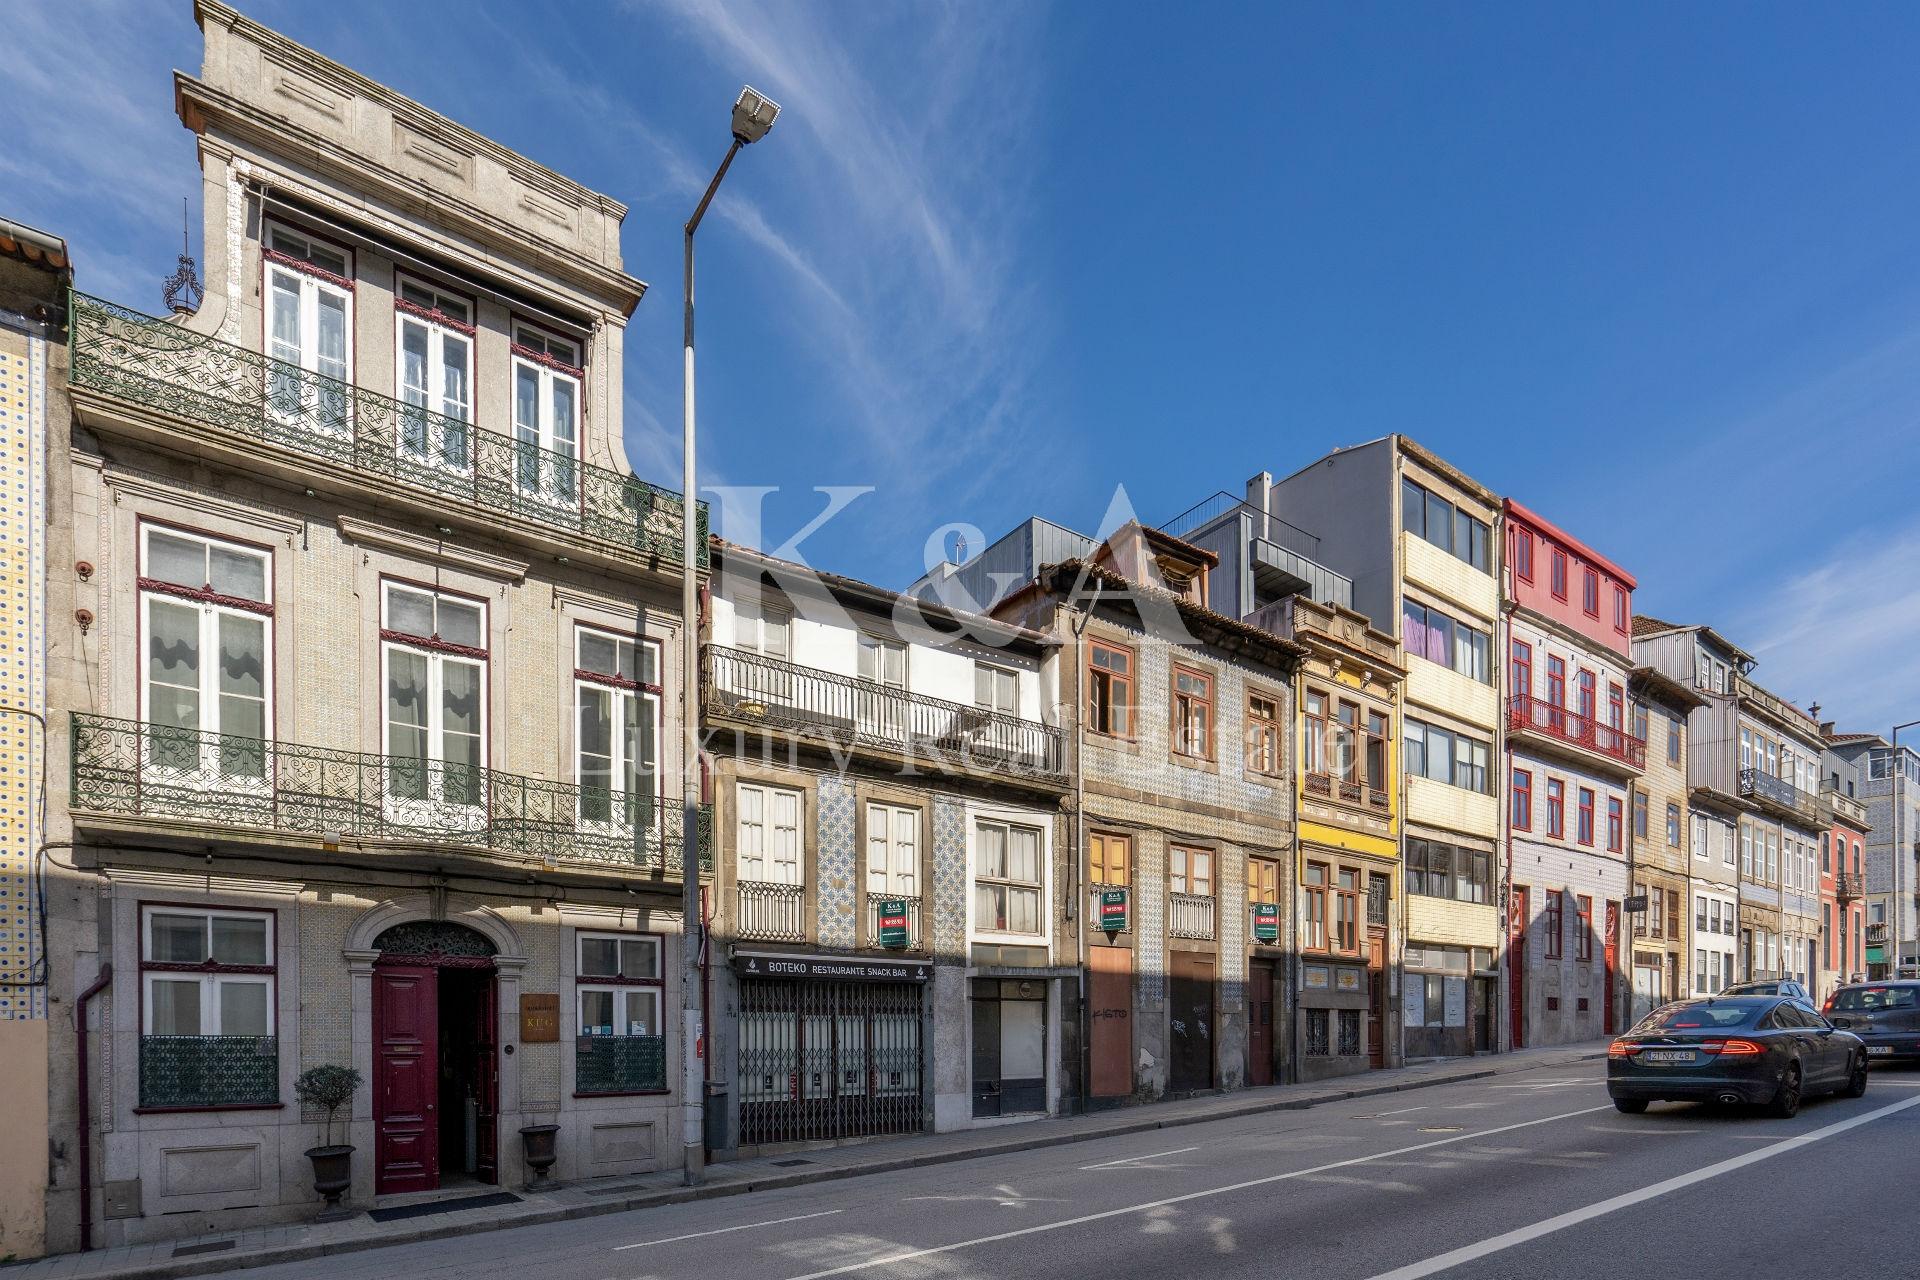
[
  {"x": 85, "y": 1103},
  {"x": 1076, "y": 907}
]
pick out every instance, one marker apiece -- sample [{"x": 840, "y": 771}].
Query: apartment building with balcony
[
  {"x": 1661, "y": 860},
  {"x": 1416, "y": 538},
  {"x": 364, "y": 640},
  {"x": 1843, "y": 817},
  {"x": 887, "y": 777},
  {"x": 1573, "y": 768},
  {"x": 1178, "y": 903},
  {"x": 1756, "y": 763},
  {"x": 35, "y": 274},
  {"x": 1890, "y": 784},
  {"x": 1346, "y": 783}
]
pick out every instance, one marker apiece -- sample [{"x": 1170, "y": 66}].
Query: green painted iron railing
[
  {"x": 619, "y": 1064},
  {"x": 164, "y": 367},
  {"x": 209, "y": 1071},
  {"x": 137, "y": 769}
]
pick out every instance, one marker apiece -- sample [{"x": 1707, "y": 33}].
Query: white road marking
[
  {"x": 720, "y": 1231},
  {"x": 909, "y": 1255},
  {"x": 1177, "y": 1151},
  {"x": 1896, "y": 1084},
  {"x": 1560, "y": 1222},
  {"x": 1402, "y": 1111}
]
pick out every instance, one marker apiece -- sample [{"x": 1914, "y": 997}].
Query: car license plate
[
  {"x": 1880, "y": 1049},
  {"x": 1669, "y": 1055}
]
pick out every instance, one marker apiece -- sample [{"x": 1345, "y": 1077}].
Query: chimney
[{"x": 1260, "y": 498}]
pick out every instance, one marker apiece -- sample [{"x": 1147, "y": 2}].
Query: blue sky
[{"x": 1653, "y": 270}]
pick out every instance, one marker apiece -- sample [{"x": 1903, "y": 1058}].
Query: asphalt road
[{"x": 1524, "y": 1175}]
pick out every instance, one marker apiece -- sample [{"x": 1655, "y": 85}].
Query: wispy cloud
[{"x": 1842, "y": 633}]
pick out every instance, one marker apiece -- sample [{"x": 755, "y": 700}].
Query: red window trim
[
  {"x": 205, "y": 595},
  {"x": 542, "y": 358},
  {"x": 1583, "y": 798},
  {"x": 432, "y": 642},
  {"x": 1522, "y": 816},
  {"x": 1520, "y": 660},
  {"x": 1616, "y": 824},
  {"x": 1557, "y": 585},
  {"x": 1620, "y": 610},
  {"x": 1555, "y": 915},
  {"x": 1523, "y": 554},
  {"x": 1556, "y": 809},
  {"x": 301, "y": 265},
  {"x": 433, "y": 316},
  {"x": 1590, "y": 578},
  {"x": 1557, "y": 681},
  {"x": 1583, "y": 918}
]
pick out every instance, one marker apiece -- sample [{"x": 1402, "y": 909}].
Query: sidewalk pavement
[{"x": 258, "y": 1247}]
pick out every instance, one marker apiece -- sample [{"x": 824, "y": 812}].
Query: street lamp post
[{"x": 753, "y": 115}]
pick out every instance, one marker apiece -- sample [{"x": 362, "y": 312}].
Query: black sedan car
[
  {"x": 1735, "y": 1049},
  {"x": 1885, "y": 1015}
]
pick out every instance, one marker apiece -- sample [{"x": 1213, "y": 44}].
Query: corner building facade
[{"x": 366, "y": 751}]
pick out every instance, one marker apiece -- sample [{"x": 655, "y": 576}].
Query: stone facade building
[
  {"x": 889, "y": 837},
  {"x": 364, "y": 644},
  {"x": 1891, "y": 787},
  {"x": 1662, "y": 860}
]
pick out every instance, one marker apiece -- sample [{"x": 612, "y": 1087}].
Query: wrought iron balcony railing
[
  {"x": 1528, "y": 714},
  {"x": 772, "y": 912},
  {"x": 1347, "y": 790},
  {"x": 209, "y": 1071},
  {"x": 1848, "y": 887},
  {"x": 619, "y": 1064},
  {"x": 1876, "y": 933},
  {"x": 1760, "y": 785},
  {"x": 750, "y": 687},
  {"x": 161, "y": 366},
  {"x": 136, "y": 769},
  {"x": 1189, "y": 915}
]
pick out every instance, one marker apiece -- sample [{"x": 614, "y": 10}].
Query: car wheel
[
  {"x": 1857, "y": 1079},
  {"x": 1786, "y": 1099},
  {"x": 1630, "y": 1106}
]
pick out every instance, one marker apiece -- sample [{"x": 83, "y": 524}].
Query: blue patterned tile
[
  {"x": 837, "y": 870},
  {"x": 949, "y": 879}
]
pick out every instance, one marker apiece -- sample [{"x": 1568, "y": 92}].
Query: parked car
[
  {"x": 1885, "y": 1015},
  {"x": 1759, "y": 1049},
  {"x": 1772, "y": 987}
]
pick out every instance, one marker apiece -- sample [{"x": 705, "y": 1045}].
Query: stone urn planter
[
  {"x": 540, "y": 1145},
  {"x": 329, "y": 1088}
]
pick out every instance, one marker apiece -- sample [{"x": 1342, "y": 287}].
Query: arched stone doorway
[{"x": 436, "y": 1056}]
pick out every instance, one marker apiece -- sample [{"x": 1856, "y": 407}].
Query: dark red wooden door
[
  {"x": 486, "y": 1067},
  {"x": 1376, "y": 997},
  {"x": 1517, "y": 921},
  {"x": 406, "y": 1080},
  {"x": 1260, "y": 1022}
]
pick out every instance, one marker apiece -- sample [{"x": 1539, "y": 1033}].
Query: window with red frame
[
  {"x": 1587, "y": 689},
  {"x": 1558, "y": 584},
  {"x": 1590, "y": 593},
  {"x": 1553, "y": 922},
  {"x": 1620, "y": 610},
  {"x": 1522, "y": 800},
  {"x": 1615, "y": 820},
  {"x": 1522, "y": 669},
  {"x": 1557, "y": 681},
  {"x": 1556, "y": 808},
  {"x": 1583, "y": 928},
  {"x": 1616, "y": 705},
  {"x": 1584, "y": 832},
  {"x": 1523, "y": 554}
]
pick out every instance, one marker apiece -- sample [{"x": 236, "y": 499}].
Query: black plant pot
[
  {"x": 332, "y": 1175},
  {"x": 540, "y": 1143}
]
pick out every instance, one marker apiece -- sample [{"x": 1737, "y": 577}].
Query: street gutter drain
[
  {"x": 788, "y": 1164},
  {"x": 1442, "y": 1128},
  {"x": 212, "y": 1246}
]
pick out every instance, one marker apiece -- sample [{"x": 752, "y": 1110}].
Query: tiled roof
[{"x": 1645, "y": 626}]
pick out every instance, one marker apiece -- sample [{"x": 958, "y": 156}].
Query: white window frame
[
  {"x": 209, "y": 981},
  {"x": 455, "y": 448},
  {"x": 208, "y": 774},
  {"x": 764, "y": 864},
  {"x": 975, "y": 821},
  {"x": 885, "y": 824},
  {"x": 557, "y": 476},
  {"x": 1182, "y": 872},
  {"x": 1000, "y": 680},
  {"x": 622, "y": 989},
  {"x": 406, "y": 808},
  {"x": 627, "y": 699},
  {"x": 309, "y": 288}
]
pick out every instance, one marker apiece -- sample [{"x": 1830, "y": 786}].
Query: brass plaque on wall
[{"x": 539, "y": 1019}]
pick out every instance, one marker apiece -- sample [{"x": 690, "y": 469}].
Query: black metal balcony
[
  {"x": 1757, "y": 784},
  {"x": 1848, "y": 887},
  {"x": 750, "y": 688},
  {"x": 163, "y": 367},
  {"x": 135, "y": 769}
]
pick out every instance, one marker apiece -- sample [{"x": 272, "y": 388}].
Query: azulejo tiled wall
[
  {"x": 838, "y": 874},
  {"x": 949, "y": 878}
]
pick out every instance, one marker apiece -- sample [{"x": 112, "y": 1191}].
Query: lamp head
[{"x": 753, "y": 114}]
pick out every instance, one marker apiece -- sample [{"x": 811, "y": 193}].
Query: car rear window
[
  {"x": 1869, "y": 999},
  {"x": 1691, "y": 1017}
]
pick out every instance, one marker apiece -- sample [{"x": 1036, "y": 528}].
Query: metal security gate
[{"x": 829, "y": 1060}]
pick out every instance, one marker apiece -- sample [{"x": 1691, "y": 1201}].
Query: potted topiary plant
[{"x": 329, "y": 1088}]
